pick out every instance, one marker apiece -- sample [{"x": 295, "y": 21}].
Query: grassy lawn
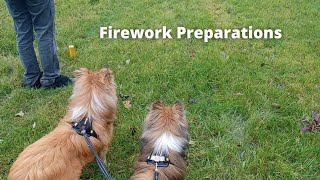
[{"x": 244, "y": 99}]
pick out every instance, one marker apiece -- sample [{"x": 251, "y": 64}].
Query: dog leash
[
  {"x": 85, "y": 129},
  {"x": 99, "y": 161},
  {"x": 156, "y": 172}
]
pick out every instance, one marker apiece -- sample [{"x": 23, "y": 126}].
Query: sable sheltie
[
  {"x": 165, "y": 135},
  {"x": 63, "y": 153}
]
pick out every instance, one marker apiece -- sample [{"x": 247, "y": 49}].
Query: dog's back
[
  {"x": 63, "y": 153},
  {"x": 165, "y": 136},
  {"x": 59, "y": 155}
]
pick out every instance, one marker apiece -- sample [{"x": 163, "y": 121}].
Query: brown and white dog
[
  {"x": 63, "y": 153},
  {"x": 165, "y": 135}
]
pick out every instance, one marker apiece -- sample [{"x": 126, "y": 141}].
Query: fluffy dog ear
[
  {"x": 156, "y": 105},
  {"x": 78, "y": 73},
  {"x": 106, "y": 75},
  {"x": 179, "y": 106}
]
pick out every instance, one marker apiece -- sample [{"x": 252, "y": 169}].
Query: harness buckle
[
  {"x": 158, "y": 161},
  {"x": 84, "y": 127}
]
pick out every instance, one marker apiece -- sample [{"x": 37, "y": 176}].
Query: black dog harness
[
  {"x": 158, "y": 161},
  {"x": 84, "y": 128}
]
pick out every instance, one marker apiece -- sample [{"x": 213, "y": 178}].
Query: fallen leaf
[
  {"x": 10, "y": 161},
  {"x": 20, "y": 114},
  {"x": 316, "y": 117},
  {"x": 276, "y": 105},
  {"x": 242, "y": 155},
  {"x": 192, "y": 142},
  {"x": 254, "y": 143},
  {"x": 311, "y": 126},
  {"x": 224, "y": 56},
  {"x": 128, "y": 61},
  {"x": 192, "y": 100},
  {"x": 201, "y": 153},
  {"x": 127, "y": 104},
  {"x": 34, "y": 125},
  {"x": 133, "y": 130},
  {"x": 192, "y": 53}
]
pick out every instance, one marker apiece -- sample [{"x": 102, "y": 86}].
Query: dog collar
[
  {"x": 160, "y": 161},
  {"x": 84, "y": 127}
]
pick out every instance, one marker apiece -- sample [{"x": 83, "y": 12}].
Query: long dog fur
[
  {"x": 165, "y": 131},
  {"x": 63, "y": 153}
]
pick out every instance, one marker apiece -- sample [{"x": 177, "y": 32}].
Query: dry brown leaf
[
  {"x": 127, "y": 104},
  {"x": 311, "y": 126}
]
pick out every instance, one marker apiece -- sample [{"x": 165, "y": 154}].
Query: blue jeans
[{"x": 38, "y": 16}]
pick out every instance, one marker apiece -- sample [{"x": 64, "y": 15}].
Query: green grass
[{"x": 238, "y": 131}]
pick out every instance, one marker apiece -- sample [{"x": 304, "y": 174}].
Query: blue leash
[
  {"x": 99, "y": 161},
  {"x": 156, "y": 172}
]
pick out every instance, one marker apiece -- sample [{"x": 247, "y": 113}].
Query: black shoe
[
  {"x": 59, "y": 82},
  {"x": 36, "y": 85}
]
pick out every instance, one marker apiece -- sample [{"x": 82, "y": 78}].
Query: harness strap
[
  {"x": 84, "y": 125},
  {"x": 160, "y": 161}
]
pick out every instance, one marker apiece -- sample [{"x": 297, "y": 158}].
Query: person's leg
[
  {"x": 24, "y": 32},
  {"x": 43, "y": 12}
]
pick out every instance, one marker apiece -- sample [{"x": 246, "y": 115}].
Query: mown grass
[{"x": 244, "y": 98}]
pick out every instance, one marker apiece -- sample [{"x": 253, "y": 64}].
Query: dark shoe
[
  {"x": 59, "y": 82},
  {"x": 36, "y": 85}
]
